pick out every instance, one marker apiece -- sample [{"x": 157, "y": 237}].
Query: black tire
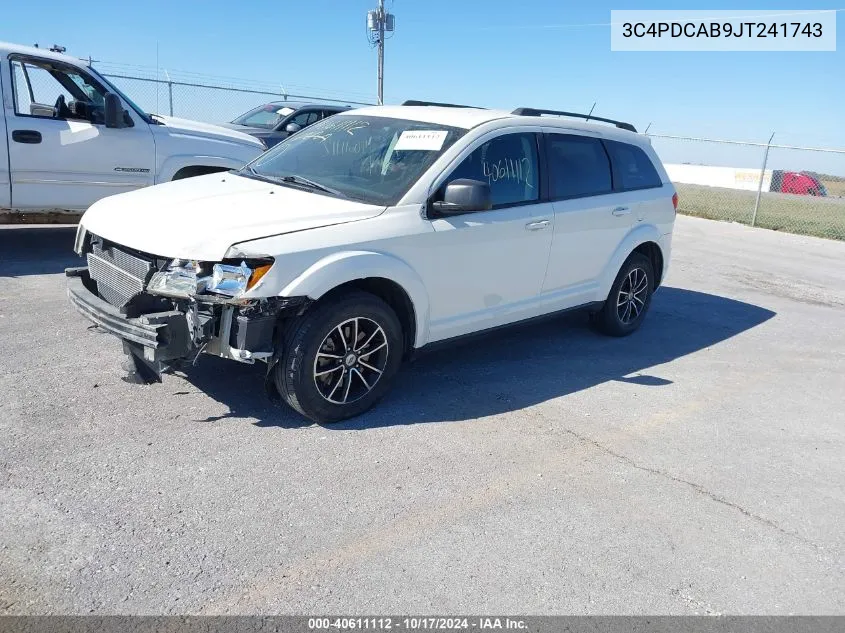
[
  {"x": 616, "y": 318},
  {"x": 319, "y": 331}
]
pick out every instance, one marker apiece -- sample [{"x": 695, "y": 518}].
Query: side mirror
[
  {"x": 292, "y": 128},
  {"x": 463, "y": 196},
  {"x": 113, "y": 111}
]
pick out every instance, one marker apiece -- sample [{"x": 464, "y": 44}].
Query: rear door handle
[
  {"x": 621, "y": 211},
  {"x": 537, "y": 226},
  {"x": 26, "y": 136}
]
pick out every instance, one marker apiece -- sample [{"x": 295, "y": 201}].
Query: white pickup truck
[{"x": 68, "y": 138}]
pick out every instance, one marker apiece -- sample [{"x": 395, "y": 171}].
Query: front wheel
[
  {"x": 629, "y": 298},
  {"x": 340, "y": 357}
]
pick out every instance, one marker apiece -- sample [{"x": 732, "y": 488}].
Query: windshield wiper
[
  {"x": 296, "y": 181},
  {"x": 305, "y": 182}
]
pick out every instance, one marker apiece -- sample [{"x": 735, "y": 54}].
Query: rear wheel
[
  {"x": 629, "y": 298},
  {"x": 340, "y": 358}
]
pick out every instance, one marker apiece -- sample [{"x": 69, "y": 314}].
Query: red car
[{"x": 800, "y": 183}]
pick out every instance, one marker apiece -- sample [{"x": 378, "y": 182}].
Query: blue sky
[{"x": 485, "y": 52}]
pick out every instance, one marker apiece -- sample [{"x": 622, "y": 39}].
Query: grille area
[{"x": 119, "y": 275}]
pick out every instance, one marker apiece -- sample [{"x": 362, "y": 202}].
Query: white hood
[
  {"x": 207, "y": 130},
  {"x": 201, "y": 217}
]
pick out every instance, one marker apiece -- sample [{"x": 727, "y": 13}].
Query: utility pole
[
  {"x": 381, "y": 52},
  {"x": 378, "y": 23}
]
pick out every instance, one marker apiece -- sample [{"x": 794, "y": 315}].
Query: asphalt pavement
[{"x": 694, "y": 467}]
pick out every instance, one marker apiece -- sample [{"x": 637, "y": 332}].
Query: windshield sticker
[
  {"x": 284, "y": 111},
  {"x": 421, "y": 140}
]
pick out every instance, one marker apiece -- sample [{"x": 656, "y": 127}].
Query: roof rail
[
  {"x": 538, "y": 112},
  {"x": 413, "y": 102}
]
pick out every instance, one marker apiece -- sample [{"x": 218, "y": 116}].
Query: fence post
[
  {"x": 169, "y": 91},
  {"x": 762, "y": 175}
]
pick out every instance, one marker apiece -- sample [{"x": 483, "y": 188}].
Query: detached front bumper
[
  {"x": 160, "y": 340},
  {"x": 153, "y": 331},
  {"x": 157, "y": 340}
]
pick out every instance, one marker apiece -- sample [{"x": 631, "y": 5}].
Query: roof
[
  {"x": 455, "y": 117},
  {"x": 298, "y": 105},
  {"x": 472, "y": 117},
  {"x": 7, "y": 48}
]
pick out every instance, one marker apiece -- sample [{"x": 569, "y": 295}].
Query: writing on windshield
[{"x": 375, "y": 159}]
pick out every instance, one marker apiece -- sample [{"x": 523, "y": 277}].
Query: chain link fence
[
  {"x": 780, "y": 187},
  {"x": 205, "y": 101}
]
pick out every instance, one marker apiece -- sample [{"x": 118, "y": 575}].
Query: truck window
[{"x": 47, "y": 90}]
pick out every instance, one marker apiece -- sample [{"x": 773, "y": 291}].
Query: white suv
[{"x": 374, "y": 233}]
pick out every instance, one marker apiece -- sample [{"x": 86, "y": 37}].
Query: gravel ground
[{"x": 695, "y": 467}]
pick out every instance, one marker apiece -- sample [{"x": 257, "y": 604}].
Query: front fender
[
  {"x": 174, "y": 163},
  {"x": 339, "y": 268},
  {"x": 639, "y": 235}
]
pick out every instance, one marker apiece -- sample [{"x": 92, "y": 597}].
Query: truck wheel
[
  {"x": 340, "y": 357},
  {"x": 629, "y": 298}
]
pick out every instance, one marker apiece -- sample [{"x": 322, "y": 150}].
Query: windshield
[
  {"x": 367, "y": 158},
  {"x": 266, "y": 116}
]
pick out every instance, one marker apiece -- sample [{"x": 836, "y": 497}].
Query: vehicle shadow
[
  {"x": 36, "y": 250},
  {"x": 512, "y": 369}
]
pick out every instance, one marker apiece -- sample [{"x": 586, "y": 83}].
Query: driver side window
[
  {"x": 304, "y": 119},
  {"x": 508, "y": 163},
  {"x": 47, "y": 90}
]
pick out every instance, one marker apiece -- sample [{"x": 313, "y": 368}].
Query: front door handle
[
  {"x": 26, "y": 136},
  {"x": 537, "y": 226},
  {"x": 621, "y": 211}
]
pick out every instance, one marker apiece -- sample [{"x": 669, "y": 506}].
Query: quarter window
[
  {"x": 578, "y": 166},
  {"x": 632, "y": 168},
  {"x": 509, "y": 164}
]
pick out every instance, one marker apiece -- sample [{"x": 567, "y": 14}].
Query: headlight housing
[{"x": 190, "y": 278}]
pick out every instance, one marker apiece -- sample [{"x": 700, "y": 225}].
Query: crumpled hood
[
  {"x": 201, "y": 217},
  {"x": 207, "y": 130}
]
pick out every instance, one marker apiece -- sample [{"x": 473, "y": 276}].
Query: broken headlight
[{"x": 189, "y": 278}]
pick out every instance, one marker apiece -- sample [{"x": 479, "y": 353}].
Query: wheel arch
[
  {"x": 196, "y": 170},
  {"x": 653, "y": 252},
  {"x": 175, "y": 164},
  {"x": 643, "y": 239},
  {"x": 380, "y": 274}
]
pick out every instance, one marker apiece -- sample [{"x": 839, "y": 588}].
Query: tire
[
  {"x": 615, "y": 318},
  {"x": 307, "y": 382}
]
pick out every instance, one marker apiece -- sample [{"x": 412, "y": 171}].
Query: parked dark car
[{"x": 275, "y": 121}]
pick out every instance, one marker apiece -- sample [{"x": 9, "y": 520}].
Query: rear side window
[
  {"x": 632, "y": 168},
  {"x": 578, "y": 166}
]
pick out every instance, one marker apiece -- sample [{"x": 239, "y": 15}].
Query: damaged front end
[{"x": 167, "y": 312}]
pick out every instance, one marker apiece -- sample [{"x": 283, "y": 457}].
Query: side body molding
[{"x": 339, "y": 268}]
